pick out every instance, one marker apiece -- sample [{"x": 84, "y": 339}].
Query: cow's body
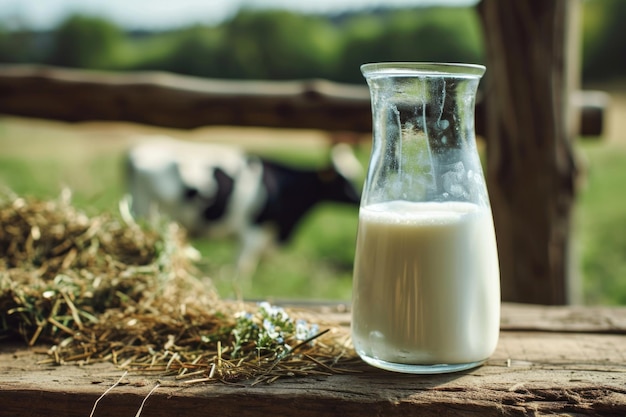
[{"x": 218, "y": 190}]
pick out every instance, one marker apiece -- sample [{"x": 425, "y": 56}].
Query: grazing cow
[{"x": 219, "y": 190}]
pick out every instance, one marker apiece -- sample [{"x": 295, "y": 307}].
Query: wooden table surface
[{"x": 550, "y": 360}]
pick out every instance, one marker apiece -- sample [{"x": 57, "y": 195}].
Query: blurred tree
[
  {"x": 265, "y": 44},
  {"x": 440, "y": 34},
  {"x": 190, "y": 51},
  {"x": 85, "y": 42},
  {"x": 604, "y": 43},
  {"x": 19, "y": 45},
  {"x": 280, "y": 45},
  {"x": 273, "y": 44}
]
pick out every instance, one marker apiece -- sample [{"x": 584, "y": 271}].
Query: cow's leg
[{"x": 254, "y": 242}]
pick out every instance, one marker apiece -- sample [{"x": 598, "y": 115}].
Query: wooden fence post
[{"x": 531, "y": 169}]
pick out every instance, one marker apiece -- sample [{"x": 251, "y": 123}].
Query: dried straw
[{"x": 104, "y": 288}]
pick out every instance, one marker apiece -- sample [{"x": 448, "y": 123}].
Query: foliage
[
  {"x": 269, "y": 330},
  {"x": 604, "y": 43},
  {"x": 85, "y": 42},
  {"x": 432, "y": 34},
  {"x": 258, "y": 44},
  {"x": 190, "y": 51},
  {"x": 19, "y": 46},
  {"x": 277, "y": 44}
]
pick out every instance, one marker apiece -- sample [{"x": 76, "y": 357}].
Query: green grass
[
  {"x": 601, "y": 224},
  {"x": 317, "y": 264},
  {"x": 39, "y": 158}
]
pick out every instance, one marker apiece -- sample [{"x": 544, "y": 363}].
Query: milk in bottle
[
  {"x": 426, "y": 289},
  {"x": 424, "y": 284}
]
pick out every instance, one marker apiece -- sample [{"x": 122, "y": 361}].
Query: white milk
[{"x": 426, "y": 283}]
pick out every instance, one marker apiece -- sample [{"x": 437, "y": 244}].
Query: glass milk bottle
[{"x": 426, "y": 290}]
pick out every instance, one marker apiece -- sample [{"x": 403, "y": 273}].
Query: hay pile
[{"x": 104, "y": 288}]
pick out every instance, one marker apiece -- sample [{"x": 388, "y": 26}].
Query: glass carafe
[{"x": 426, "y": 290}]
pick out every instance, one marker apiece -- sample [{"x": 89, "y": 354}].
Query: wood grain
[
  {"x": 532, "y": 170},
  {"x": 549, "y": 361}
]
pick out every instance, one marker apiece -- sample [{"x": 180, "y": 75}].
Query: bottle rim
[{"x": 399, "y": 69}]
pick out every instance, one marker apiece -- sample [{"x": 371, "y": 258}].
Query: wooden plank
[
  {"x": 514, "y": 316},
  {"x": 176, "y": 101},
  {"x": 550, "y": 371},
  {"x": 580, "y": 319}
]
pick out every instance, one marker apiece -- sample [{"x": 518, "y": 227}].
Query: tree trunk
[{"x": 531, "y": 171}]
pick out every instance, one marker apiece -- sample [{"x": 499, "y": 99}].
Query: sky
[{"x": 158, "y": 14}]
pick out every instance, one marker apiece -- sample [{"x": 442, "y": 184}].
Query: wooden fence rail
[{"x": 183, "y": 102}]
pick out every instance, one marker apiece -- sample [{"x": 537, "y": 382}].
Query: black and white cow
[{"x": 219, "y": 190}]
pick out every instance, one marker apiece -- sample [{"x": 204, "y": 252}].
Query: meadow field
[{"x": 38, "y": 158}]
